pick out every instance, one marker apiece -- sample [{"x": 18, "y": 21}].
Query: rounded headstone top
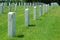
[
  {"x": 11, "y": 12},
  {"x": 34, "y": 6},
  {"x": 27, "y": 9},
  {"x": 40, "y": 5}
]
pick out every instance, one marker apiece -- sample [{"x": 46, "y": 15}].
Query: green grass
[{"x": 46, "y": 27}]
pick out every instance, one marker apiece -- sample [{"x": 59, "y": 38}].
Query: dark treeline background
[{"x": 43, "y": 1}]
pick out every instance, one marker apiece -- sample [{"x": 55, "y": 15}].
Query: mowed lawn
[{"x": 46, "y": 27}]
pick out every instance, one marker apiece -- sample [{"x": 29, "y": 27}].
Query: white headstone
[
  {"x": 27, "y": 17},
  {"x": 40, "y": 10},
  {"x": 33, "y": 4},
  {"x": 11, "y": 24},
  {"x": 35, "y": 13},
  {"x": 19, "y": 3},
  {"x": 1, "y": 8},
  {"x": 46, "y": 8},
  {"x": 30, "y": 4},
  {"x": 24, "y": 4},
  {"x": 15, "y": 7},
  {"x": 9, "y": 7},
  {"x": 5, "y": 4},
  {"x": 43, "y": 8},
  {"x": 55, "y": 4}
]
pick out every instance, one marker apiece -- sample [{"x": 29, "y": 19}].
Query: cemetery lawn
[{"x": 46, "y": 27}]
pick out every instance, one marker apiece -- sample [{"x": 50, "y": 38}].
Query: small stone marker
[
  {"x": 46, "y": 8},
  {"x": 9, "y": 7},
  {"x": 27, "y": 18},
  {"x": 35, "y": 13},
  {"x": 40, "y": 10},
  {"x": 27, "y": 5},
  {"x": 5, "y": 4},
  {"x": 24, "y": 4},
  {"x": 33, "y": 4},
  {"x": 11, "y": 24},
  {"x": 19, "y": 3},
  {"x": 15, "y": 7},
  {"x": 2, "y": 8},
  {"x": 30, "y": 4},
  {"x": 52, "y": 5}
]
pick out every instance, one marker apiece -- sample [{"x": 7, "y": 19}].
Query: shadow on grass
[
  {"x": 32, "y": 25},
  {"x": 20, "y": 36},
  {"x": 39, "y": 19}
]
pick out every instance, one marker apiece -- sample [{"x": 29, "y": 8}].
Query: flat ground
[{"x": 46, "y": 27}]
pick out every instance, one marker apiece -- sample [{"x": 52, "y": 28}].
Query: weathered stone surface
[{"x": 11, "y": 24}]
